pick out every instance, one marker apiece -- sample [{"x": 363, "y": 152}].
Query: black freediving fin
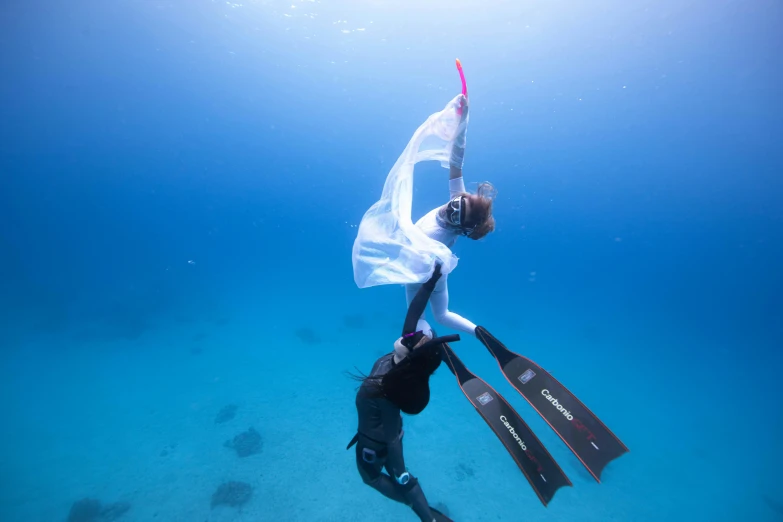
[
  {"x": 538, "y": 466},
  {"x": 438, "y": 516},
  {"x": 590, "y": 440}
]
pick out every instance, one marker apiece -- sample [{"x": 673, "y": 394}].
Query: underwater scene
[{"x": 342, "y": 260}]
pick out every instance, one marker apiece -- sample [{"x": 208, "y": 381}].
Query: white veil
[{"x": 389, "y": 248}]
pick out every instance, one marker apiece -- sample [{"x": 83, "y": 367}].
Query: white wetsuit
[{"x": 439, "y": 300}]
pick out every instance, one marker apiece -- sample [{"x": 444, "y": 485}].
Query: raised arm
[
  {"x": 456, "y": 183},
  {"x": 458, "y": 148},
  {"x": 419, "y": 303}
]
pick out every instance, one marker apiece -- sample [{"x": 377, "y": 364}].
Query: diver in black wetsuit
[{"x": 399, "y": 381}]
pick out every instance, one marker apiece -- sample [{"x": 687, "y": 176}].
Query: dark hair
[
  {"x": 406, "y": 384},
  {"x": 480, "y": 213},
  {"x": 374, "y": 381}
]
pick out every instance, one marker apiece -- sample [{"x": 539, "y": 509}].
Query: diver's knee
[
  {"x": 411, "y": 487},
  {"x": 370, "y": 481},
  {"x": 443, "y": 317},
  {"x": 369, "y": 477}
]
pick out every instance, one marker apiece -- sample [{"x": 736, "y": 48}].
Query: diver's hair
[
  {"x": 362, "y": 377},
  {"x": 375, "y": 380},
  {"x": 481, "y": 211}
]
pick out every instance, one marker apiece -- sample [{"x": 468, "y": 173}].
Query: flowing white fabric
[{"x": 389, "y": 248}]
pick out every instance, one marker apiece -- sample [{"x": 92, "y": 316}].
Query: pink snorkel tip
[{"x": 462, "y": 78}]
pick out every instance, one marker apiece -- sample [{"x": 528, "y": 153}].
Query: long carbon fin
[
  {"x": 538, "y": 466},
  {"x": 584, "y": 433}
]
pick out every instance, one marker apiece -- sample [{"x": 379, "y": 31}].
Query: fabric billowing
[{"x": 389, "y": 248}]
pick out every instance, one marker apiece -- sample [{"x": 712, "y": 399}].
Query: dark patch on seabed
[
  {"x": 246, "y": 443},
  {"x": 355, "y": 321},
  {"x": 775, "y": 505},
  {"x": 463, "y": 472},
  {"x": 168, "y": 449},
  {"x": 232, "y": 494},
  {"x": 226, "y": 414},
  {"x": 443, "y": 508},
  {"x": 308, "y": 336},
  {"x": 91, "y": 510}
]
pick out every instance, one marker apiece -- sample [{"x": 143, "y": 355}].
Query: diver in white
[{"x": 465, "y": 214}]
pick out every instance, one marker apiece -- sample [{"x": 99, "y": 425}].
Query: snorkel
[
  {"x": 464, "y": 84},
  {"x": 462, "y": 78}
]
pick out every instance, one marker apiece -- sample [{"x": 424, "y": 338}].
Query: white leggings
[{"x": 439, "y": 303}]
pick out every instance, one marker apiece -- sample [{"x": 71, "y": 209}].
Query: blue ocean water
[{"x": 180, "y": 186}]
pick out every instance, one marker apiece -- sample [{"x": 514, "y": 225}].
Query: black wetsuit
[
  {"x": 379, "y": 445},
  {"x": 380, "y": 422},
  {"x": 379, "y": 437}
]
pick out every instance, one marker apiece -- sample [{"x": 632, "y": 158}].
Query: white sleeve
[{"x": 456, "y": 187}]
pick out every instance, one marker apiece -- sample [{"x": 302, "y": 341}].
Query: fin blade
[
  {"x": 539, "y": 467},
  {"x": 582, "y": 431},
  {"x": 439, "y": 517}
]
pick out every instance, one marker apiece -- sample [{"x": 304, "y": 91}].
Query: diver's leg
[
  {"x": 415, "y": 498},
  {"x": 410, "y": 494},
  {"x": 422, "y": 325},
  {"x": 370, "y": 460},
  {"x": 440, "y": 309},
  {"x": 387, "y": 487}
]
